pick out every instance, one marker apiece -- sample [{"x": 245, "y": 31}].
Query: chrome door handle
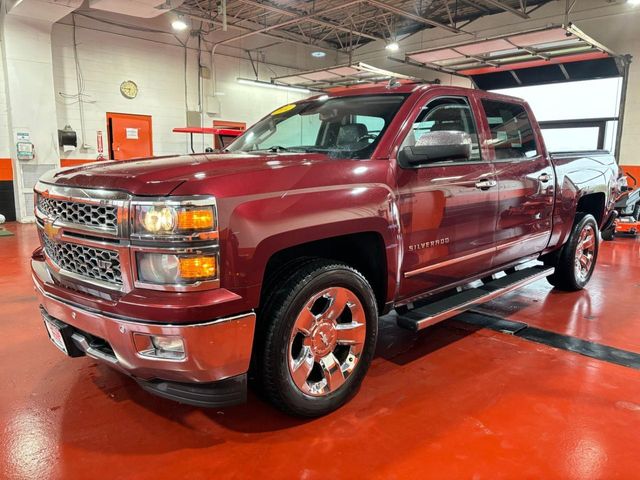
[
  {"x": 486, "y": 184},
  {"x": 544, "y": 178}
]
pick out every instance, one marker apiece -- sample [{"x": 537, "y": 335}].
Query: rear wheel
[
  {"x": 320, "y": 335},
  {"x": 577, "y": 259}
]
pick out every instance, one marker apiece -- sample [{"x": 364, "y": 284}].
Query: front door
[
  {"x": 525, "y": 180},
  {"x": 130, "y": 136},
  {"x": 447, "y": 208}
]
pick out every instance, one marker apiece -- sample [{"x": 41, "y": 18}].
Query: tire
[
  {"x": 319, "y": 327},
  {"x": 577, "y": 259},
  {"x": 608, "y": 234}
]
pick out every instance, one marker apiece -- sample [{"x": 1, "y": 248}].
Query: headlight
[
  {"x": 176, "y": 269},
  {"x": 175, "y": 241},
  {"x": 167, "y": 220}
]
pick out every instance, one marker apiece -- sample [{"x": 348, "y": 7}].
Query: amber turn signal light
[
  {"x": 196, "y": 219},
  {"x": 198, "y": 268}
]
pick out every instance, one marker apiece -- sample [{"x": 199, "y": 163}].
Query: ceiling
[
  {"x": 347, "y": 24},
  {"x": 551, "y": 54}
]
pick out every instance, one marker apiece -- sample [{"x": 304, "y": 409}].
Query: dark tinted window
[{"x": 511, "y": 132}]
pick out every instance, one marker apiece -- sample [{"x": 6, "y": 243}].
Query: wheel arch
[
  {"x": 364, "y": 251},
  {"x": 594, "y": 204}
]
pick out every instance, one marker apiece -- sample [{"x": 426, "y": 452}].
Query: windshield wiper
[{"x": 279, "y": 148}]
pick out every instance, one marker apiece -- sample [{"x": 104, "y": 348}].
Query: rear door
[
  {"x": 526, "y": 183},
  {"x": 447, "y": 212}
]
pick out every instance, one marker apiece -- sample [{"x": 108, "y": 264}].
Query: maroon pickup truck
[{"x": 272, "y": 260}]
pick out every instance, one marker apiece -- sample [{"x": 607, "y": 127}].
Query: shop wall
[
  {"x": 7, "y": 204},
  {"x": 168, "y": 87}
]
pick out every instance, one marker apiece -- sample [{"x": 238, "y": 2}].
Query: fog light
[{"x": 160, "y": 346}]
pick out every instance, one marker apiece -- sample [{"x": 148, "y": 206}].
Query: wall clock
[{"x": 129, "y": 89}]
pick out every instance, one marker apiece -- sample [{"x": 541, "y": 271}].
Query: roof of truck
[
  {"x": 407, "y": 88},
  {"x": 376, "y": 89}
]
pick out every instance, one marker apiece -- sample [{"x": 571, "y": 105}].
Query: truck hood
[{"x": 161, "y": 176}]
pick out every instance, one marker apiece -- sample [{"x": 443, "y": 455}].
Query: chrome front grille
[
  {"x": 100, "y": 216},
  {"x": 86, "y": 237},
  {"x": 92, "y": 263}
]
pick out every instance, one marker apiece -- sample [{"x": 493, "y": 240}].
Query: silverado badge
[{"x": 429, "y": 244}]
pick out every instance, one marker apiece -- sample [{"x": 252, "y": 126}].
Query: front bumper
[{"x": 215, "y": 351}]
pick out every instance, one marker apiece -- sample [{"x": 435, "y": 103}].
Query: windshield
[{"x": 342, "y": 127}]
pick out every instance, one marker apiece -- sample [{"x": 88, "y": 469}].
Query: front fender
[{"x": 260, "y": 226}]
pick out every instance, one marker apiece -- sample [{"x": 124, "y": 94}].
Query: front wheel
[
  {"x": 321, "y": 327},
  {"x": 577, "y": 259}
]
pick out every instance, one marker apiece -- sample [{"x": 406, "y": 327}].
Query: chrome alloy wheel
[
  {"x": 585, "y": 253},
  {"x": 327, "y": 341}
]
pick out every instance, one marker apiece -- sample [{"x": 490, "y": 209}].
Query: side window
[
  {"x": 450, "y": 114},
  {"x": 511, "y": 133}
]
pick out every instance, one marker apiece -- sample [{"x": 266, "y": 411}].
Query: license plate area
[
  {"x": 60, "y": 335},
  {"x": 55, "y": 334}
]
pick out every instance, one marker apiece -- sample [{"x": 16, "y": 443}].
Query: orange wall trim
[
  {"x": 6, "y": 170},
  {"x": 74, "y": 162}
]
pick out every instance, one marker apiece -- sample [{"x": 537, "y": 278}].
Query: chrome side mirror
[{"x": 437, "y": 146}]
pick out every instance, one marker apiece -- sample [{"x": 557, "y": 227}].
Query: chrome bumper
[{"x": 214, "y": 351}]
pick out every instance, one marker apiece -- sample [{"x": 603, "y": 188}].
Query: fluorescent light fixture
[
  {"x": 318, "y": 54},
  {"x": 258, "y": 83},
  {"x": 393, "y": 46},
  {"x": 179, "y": 24}
]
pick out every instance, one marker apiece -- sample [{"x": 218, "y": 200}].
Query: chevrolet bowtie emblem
[{"x": 50, "y": 229}]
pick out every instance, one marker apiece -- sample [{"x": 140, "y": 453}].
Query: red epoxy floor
[
  {"x": 451, "y": 402},
  {"x": 607, "y": 311}
]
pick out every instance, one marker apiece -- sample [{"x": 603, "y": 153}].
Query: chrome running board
[{"x": 427, "y": 315}]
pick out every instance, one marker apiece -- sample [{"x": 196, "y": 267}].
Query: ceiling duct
[{"x": 136, "y": 8}]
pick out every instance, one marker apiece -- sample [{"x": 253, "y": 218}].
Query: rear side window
[{"x": 511, "y": 132}]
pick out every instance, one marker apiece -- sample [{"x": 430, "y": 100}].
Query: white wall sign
[{"x": 132, "y": 134}]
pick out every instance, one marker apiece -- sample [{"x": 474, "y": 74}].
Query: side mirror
[{"x": 437, "y": 146}]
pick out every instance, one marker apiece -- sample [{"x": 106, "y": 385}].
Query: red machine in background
[
  {"x": 628, "y": 209},
  {"x": 224, "y": 132}
]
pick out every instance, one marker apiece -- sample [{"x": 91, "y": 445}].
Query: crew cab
[{"x": 272, "y": 260}]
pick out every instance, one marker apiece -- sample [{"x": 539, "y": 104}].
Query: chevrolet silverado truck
[{"x": 272, "y": 261}]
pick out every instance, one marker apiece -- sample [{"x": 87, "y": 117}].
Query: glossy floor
[{"x": 454, "y": 401}]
